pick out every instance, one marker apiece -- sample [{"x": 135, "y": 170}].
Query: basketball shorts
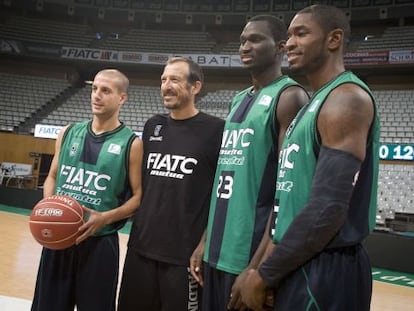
[
  {"x": 85, "y": 275},
  {"x": 217, "y": 289},
  {"x": 337, "y": 279},
  {"x": 152, "y": 285}
]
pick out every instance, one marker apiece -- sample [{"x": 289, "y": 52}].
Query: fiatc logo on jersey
[
  {"x": 83, "y": 185},
  {"x": 169, "y": 165},
  {"x": 233, "y": 144}
]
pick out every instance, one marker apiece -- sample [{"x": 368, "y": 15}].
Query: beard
[{"x": 172, "y": 106}]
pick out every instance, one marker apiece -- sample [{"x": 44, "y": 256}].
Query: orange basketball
[{"x": 55, "y": 220}]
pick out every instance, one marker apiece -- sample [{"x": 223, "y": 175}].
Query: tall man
[
  {"x": 244, "y": 183},
  {"x": 327, "y": 180},
  {"x": 180, "y": 156},
  {"x": 97, "y": 162}
]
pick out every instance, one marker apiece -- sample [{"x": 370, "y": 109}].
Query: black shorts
[
  {"x": 85, "y": 275},
  {"x": 337, "y": 279},
  {"x": 217, "y": 289},
  {"x": 152, "y": 285}
]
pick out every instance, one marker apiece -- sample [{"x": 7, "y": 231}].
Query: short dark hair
[
  {"x": 329, "y": 18},
  {"x": 276, "y": 26},
  {"x": 195, "y": 71}
]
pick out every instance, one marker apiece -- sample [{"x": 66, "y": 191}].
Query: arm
[
  {"x": 49, "y": 186},
  {"x": 290, "y": 102},
  {"x": 343, "y": 123},
  {"x": 196, "y": 260},
  {"x": 97, "y": 220}
]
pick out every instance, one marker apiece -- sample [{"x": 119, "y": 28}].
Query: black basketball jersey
[{"x": 180, "y": 158}]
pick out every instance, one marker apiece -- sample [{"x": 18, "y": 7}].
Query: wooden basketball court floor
[{"x": 19, "y": 259}]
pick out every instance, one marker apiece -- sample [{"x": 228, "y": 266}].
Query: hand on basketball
[{"x": 95, "y": 222}]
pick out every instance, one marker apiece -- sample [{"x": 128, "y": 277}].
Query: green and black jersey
[
  {"x": 297, "y": 166},
  {"x": 244, "y": 184},
  {"x": 93, "y": 169}
]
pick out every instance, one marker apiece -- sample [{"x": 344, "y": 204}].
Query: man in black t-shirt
[{"x": 180, "y": 157}]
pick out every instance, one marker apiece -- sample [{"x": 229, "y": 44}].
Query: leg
[
  {"x": 178, "y": 289},
  {"x": 98, "y": 273},
  {"x": 139, "y": 286},
  {"x": 55, "y": 281},
  {"x": 337, "y": 279}
]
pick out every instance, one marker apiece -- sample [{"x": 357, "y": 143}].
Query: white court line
[{"x": 14, "y": 304}]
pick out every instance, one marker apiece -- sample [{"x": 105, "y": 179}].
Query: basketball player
[
  {"x": 180, "y": 156},
  {"x": 244, "y": 184},
  {"x": 327, "y": 180},
  {"x": 97, "y": 162}
]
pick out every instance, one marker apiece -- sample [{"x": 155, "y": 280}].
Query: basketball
[{"x": 55, "y": 220}]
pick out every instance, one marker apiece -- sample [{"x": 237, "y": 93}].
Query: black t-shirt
[{"x": 179, "y": 164}]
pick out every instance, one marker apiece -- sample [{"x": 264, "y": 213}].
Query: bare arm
[
  {"x": 290, "y": 102},
  {"x": 196, "y": 260},
  {"x": 345, "y": 120},
  {"x": 49, "y": 186},
  {"x": 98, "y": 220}
]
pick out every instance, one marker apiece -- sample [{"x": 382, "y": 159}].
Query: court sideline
[{"x": 19, "y": 258}]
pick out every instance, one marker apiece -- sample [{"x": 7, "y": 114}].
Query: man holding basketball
[{"x": 98, "y": 163}]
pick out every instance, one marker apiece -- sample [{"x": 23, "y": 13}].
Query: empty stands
[
  {"x": 396, "y": 188},
  {"x": 396, "y": 109},
  {"x": 161, "y": 41},
  {"x": 46, "y": 31},
  {"x": 393, "y": 38},
  {"x": 22, "y": 95},
  {"x": 217, "y": 103}
]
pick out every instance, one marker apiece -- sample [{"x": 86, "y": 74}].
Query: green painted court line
[
  {"x": 381, "y": 275},
  {"x": 393, "y": 277},
  {"x": 26, "y": 212},
  {"x": 15, "y": 210}
]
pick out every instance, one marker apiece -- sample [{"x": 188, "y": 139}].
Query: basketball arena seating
[
  {"x": 396, "y": 109},
  {"x": 393, "y": 38},
  {"x": 217, "y": 102},
  {"x": 22, "y": 96},
  {"x": 47, "y": 31},
  {"x": 160, "y": 41},
  {"x": 82, "y": 35},
  {"x": 395, "y": 209},
  {"x": 146, "y": 40}
]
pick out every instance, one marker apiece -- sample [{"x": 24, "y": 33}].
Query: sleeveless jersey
[
  {"x": 244, "y": 185},
  {"x": 93, "y": 169},
  {"x": 297, "y": 164},
  {"x": 180, "y": 158}
]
